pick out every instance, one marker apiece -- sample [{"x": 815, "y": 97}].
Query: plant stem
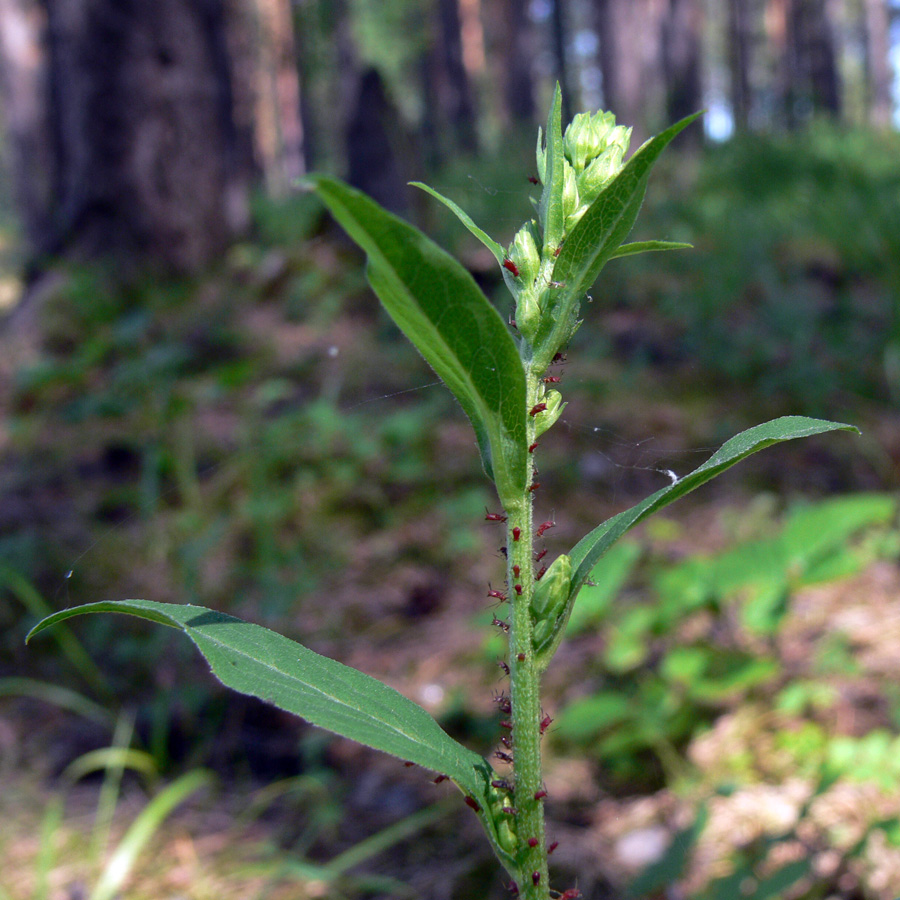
[{"x": 525, "y": 685}]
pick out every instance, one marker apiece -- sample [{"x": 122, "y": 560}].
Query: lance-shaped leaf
[
  {"x": 253, "y": 660},
  {"x": 550, "y": 208},
  {"x": 466, "y": 219},
  {"x": 437, "y": 305},
  {"x": 649, "y": 247},
  {"x": 590, "y": 548},
  {"x": 595, "y": 238}
]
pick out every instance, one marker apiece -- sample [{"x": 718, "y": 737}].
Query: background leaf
[
  {"x": 255, "y": 661},
  {"x": 591, "y": 547},
  {"x": 437, "y": 305}
]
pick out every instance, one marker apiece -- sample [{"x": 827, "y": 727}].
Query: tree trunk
[
  {"x": 630, "y": 58},
  {"x": 279, "y": 129},
  {"x": 812, "y": 79},
  {"x": 132, "y": 106},
  {"x": 681, "y": 61},
  {"x": 740, "y": 46},
  {"x": 453, "y": 90},
  {"x": 516, "y": 51},
  {"x": 561, "y": 55},
  {"x": 878, "y": 69},
  {"x": 374, "y": 133}
]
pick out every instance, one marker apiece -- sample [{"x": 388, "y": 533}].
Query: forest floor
[{"x": 406, "y": 602}]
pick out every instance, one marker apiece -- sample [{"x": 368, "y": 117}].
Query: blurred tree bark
[
  {"x": 740, "y": 48},
  {"x": 560, "y": 39},
  {"x": 631, "y": 62},
  {"x": 452, "y": 88},
  {"x": 681, "y": 49},
  {"x": 515, "y": 51},
  {"x": 279, "y": 129},
  {"x": 374, "y": 135},
  {"x": 877, "y": 22},
  {"x": 808, "y": 80},
  {"x": 132, "y": 135}
]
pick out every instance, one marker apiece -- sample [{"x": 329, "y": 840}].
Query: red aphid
[
  {"x": 539, "y": 556},
  {"x": 535, "y": 878},
  {"x": 545, "y": 526},
  {"x": 494, "y": 517},
  {"x": 510, "y": 266},
  {"x": 539, "y": 795},
  {"x": 541, "y": 572},
  {"x": 505, "y": 553},
  {"x": 538, "y": 407},
  {"x": 503, "y": 666},
  {"x": 506, "y": 741},
  {"x": 516, "y": 571},
  {"x": 552, "y": 847},
  {"x": 497, "y": 595},
  {"x": 534, "y": 487},
  {"x": 556, "y": 251},
  {"x": 504, "y": 703},
  {"x": 518, "y": 589},
  {"x": 503, "y": 626},
  {"x": 532, "y": 447},
  {"x": 558, "y": 357},
  {"x": 520, "y": 657},
  {"x": 501, "y": 785},
  {"x": 503, "y": 757},
  {"x": 570, "y": 894},
  {"x": 532, "y": 842},
  {"x": 533, "y": 179},
  {"x": 517, "y": 533},
  {"x": 509, "y": 810},
  {"x": 409, "y": 765},
  {"x": 551, "y": 379},
  {"x": 513, "y": 888},
  {"x": 472, "y": 803},
  {"x": 505, "y": 723},
  {"x": 440, "y": 778},
  {"x": 545, "y": 723}
]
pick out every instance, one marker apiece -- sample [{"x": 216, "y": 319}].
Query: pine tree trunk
[
  {"x": 740, "y": 47},
  {"x": 878, "y": 69},
  {"x": 681, "y": 42},
  {"x": 132, "y": 105}
]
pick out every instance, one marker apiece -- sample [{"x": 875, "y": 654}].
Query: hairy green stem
[{"x": 525, "y": 685}]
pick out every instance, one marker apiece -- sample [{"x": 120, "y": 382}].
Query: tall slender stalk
[{"x": 525, "y": 682}]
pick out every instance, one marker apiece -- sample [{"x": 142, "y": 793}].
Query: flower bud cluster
[
  {"x": 549, "y": 600},
  {"x": 594, "y": 149}
]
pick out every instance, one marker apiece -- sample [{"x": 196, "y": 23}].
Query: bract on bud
[
  {"x": 552, "y": 591},
  {"x": 570, "y": 190},
  {"x": 547, "y": 418},
  {"x": 528, "y": 312},
  {"x": 587, "y": 137},
  {"x": 604, "y": 166},
  {"x": 523, "y": 251}
]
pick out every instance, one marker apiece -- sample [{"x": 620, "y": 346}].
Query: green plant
[
  {"x": 588, "y": 206},
  {"x": 657, "y": 688}
]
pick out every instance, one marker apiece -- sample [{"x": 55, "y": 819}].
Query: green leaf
[
  {"x": 596, "y": 237},
  {"x": 466, "y": 219},
  {"x": 649, "y": 247},
  {"x": 437, "y": 305},
  {"x": 255, "y": 661},
  {"x": 591, "y": 547},
  {"x": 551, "y": 205}
]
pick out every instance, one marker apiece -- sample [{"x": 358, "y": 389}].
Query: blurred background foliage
[{"x": 200, "y": 401}]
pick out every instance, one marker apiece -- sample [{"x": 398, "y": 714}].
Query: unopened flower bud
[
  {"x": 523, "y": 251},
  {"x": 587, "y": 137},
  {"x": 547, "y": 418}
]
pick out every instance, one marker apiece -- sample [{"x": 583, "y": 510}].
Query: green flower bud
[
  {"x": 523, "y": 251},
  {"x": 552, "y": 592},
  {"x": 587, "y": 137},
  {"x": 605, "y": 166},
  {"x": 570, "y": 190},
  {"x": 506, "y": 836},
  {"x": 541, "y": 633},
  {"x": 547, "y": 418}
]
